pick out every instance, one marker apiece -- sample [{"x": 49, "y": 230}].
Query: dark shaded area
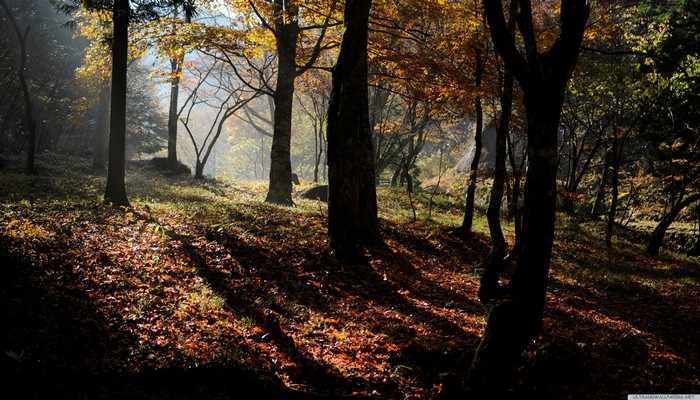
[
  {"x": 164, "y": 165},
  {"x": 316, "y": 193}
]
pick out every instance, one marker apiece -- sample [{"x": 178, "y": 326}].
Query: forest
[{"x": 324, "y": 199}]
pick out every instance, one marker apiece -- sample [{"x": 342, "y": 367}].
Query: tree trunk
[
  {"x": 286, "y": 34},
  {"x": 515, "y": 314},
  {"x": 30, "y": 168},
  {"x": 115, "y": 192},
  {"x": 493, "y": 212},
  {"x": 199, "y": 169},
  {"x": 99, "y": 161},
  {"x": 615, "y": 183},
  {"x": 352, "y": 202},
  {"x": 176, "y": 68},
  {"x": 657, "y": 236},
  {"x": 471, "y": 184}
]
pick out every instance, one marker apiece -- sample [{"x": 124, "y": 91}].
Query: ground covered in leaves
[{"x": 201, "y": 290}]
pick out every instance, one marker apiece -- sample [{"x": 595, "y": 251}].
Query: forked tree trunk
[
  {"x": 352, "y": 201},
  {"x": 515, "y": 312},
  {"x": 115, "y": 191}
]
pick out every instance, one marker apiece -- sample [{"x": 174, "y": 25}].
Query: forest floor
[{"x": 203, "y": 291}]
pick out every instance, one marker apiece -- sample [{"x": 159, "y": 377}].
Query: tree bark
[
  {"x": 474, "y": 169},
  {"x": 286, "y": 35},
  {"x": 115, "y": 191},
  {"x": 515, "y": 314},
  {"x": 176, "y": 68},
  {"x": 352, "y": 203}
]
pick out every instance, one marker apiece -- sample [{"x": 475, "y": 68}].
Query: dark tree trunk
[
  {"x": 115, "y": 191},
  {"x": 474, "y": 169},
  {"x": 352, "y": 203},
  {"x": 614, "y": 184},
  {"x": 657, "y": 237},
  {"x": 199, "y": 169},
  {"x": 515, "y": 209},
  {"x": 176, "y": 68},
  {"x": 493, "y": 212},
  {"x": 30, "y": 168},
  {"x": 515, "y": 313},
  {"x": 286, "y": 34},
  {"x": 99, "y": 161}
]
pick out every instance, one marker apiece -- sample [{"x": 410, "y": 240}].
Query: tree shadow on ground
[{"x": 381, "y": 297}]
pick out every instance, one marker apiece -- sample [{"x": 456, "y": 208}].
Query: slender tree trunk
[
  {"x": 471, "y": 184},
  {"x": 115, "y": 191},
  {"x": 30, "y": 168},
  {"x": 493, "y": 212},
  {"x": 352, "y": 203},
  {"x": 318, "y": 152},
  {"x": 99, "y": 161},
  {"x": 176, "y": 68},
  {"x": 280, "y": 189},
  {"x": 615, "y": 183}
]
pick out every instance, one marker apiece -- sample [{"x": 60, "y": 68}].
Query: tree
[
  {"x": 493, "y": 211},
  {"x": 29, "y": 117},
  {"x": 352, "y": 203},
  {"x": 478, "y": 132},
  {"x": 230, "y": 95},
  {"x": 115, "y": 190},
  {"x": 515, "y": 312},
  {"x": 122, "y": 14},
  {"x": 283, "y": 19},
  {"x": 176, "y": 69},
  {"x": 670, "y": 127}
]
